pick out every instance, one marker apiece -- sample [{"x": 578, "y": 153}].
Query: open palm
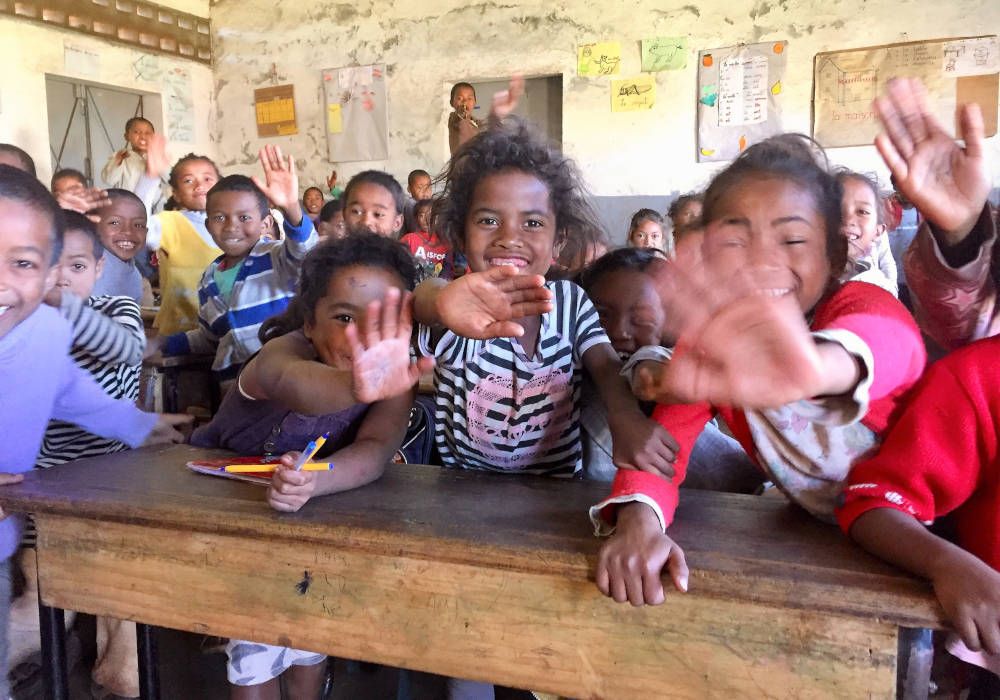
[
  {"x": 281, "y": 182},
  {"x": 946, "y": 182},
  {"x": 484, "y": 304},
  {"x": 380, "y": 350}
]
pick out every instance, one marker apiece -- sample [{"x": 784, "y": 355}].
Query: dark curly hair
[
  {"x": 75, "y": 221},
  {"x": 190, "y": 157},
  {"x": 797, "y": 159},
  {"x": 380, "y": 178},
  {"x": 20, "y": 186},
  {"x": 27, "y": 162},
  {"x": 326, "y": 260},
  {"x": 513, "y": 145},
  {"x": 678, "y": 204},
  {"x": 637, "y": 259},
  {"x": 240, "y": 183}
]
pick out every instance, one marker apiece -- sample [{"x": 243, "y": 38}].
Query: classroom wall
[
  {"x": 30, "y": 51},
  {"x": 429, "y": 44}
]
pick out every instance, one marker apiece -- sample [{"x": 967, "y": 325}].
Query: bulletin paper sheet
[
  {"x": 739, "y": 97},
  {"x": 954, "y": 71}
]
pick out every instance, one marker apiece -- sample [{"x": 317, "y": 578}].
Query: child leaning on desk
[
  {"x": 39, "y": 380},
  {"x": 338, "y": 362}
]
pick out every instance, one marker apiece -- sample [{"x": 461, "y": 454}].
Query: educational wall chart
[
  {"x": 739, "y": 97},
  {"x": 275, "y": 111},
  {"x": 357, "y": 113},
  {"x": 955, "y": 71},
  {"x": 664, "y": 53}
]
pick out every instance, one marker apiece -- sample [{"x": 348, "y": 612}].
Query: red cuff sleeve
[{"x": 630, "y": 482}]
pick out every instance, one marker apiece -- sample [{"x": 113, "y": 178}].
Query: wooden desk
[{"x": 474, "y": 575}]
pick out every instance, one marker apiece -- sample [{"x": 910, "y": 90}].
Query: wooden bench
[{"x": 472, "y": 575}]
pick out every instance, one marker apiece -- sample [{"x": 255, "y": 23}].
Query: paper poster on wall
[
  {"x": 600, "y": 58},
  {"x": 147, "y": 67},
  {"x": 739, "y": 97},
  {"x": 275, "y": 111},
  {"x": 664, "y": 53},
  {"x": 633, "y": 94},
  {"x": 357, "y": 113},
  {"x": 954, "y": 71},
  {"x": 176, "y": 83}
]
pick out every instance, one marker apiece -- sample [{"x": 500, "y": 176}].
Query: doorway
[
  {"x": 541, "y": 103},
  {"x": 87, "y": 122}
]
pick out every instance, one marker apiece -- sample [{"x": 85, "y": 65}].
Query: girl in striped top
[
  {"x": 108, "y": 339},
  {"x": 510, "y": 347}
]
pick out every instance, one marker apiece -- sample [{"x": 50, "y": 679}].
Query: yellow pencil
[{"x": 259, "y": 468}]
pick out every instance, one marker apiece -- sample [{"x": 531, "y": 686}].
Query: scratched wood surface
[
  {"x": 525, "y": 627},
  {"x": 742, "y": 548}
]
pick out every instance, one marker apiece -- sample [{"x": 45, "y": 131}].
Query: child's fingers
[
  {"x": 906, "y": 95},
  {"x": 530, "y": 308},
  {"x": 371, "y": 324},
  {"x": 972, "y": 130},
  {"x": 678, "y": 568},
  {"x": 895, "y": 162},
  {"x": 405, "y": 327},
  {"x": 262, "y": 186},
  {"x": 601, "y": 578},
  {"x": 503, "y": 329},
  {"x": 531, "y": 294},
  {"x": 651, "y": 592},
  {"x": 989, "y": 633},
  {"x": 289, "y": 458},
  {"x": 518, "y": 282},
  {"x": 6, "y": 478},
  {"x": 286, "y": 480},
  {"x": 357, "y": 347},
  {"x": 390, "y": 313},
  {"x": 425, "y": 365},
  {"x": 265, "y": 162},
  {"x": 892, "y": 122},
  {"x": 965, "y": 626}
]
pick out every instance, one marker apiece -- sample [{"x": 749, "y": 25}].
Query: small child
[
  {"x": 418, "y": 186},
  {"x": 68, "y": 180},
  {"x": 373, "y": 201},
  {"x": 330, "y": 223},
  {"x": 122, "y": 229},
  {"x": 126, "y": 167},
  {"x": 805, "y": 370},
  {"x": 434, "y": 256},
  {"x": 336, "y": 361},
  {"x": 685, "y": 211},
  {"x": 622, "y": 286},
  {"x": 462, "y": 126},
  {"x": 512, "y": 354},
  {"x": 108, "y": 340},
  {"x": 312, "y": 202},
  {"x": 646, "y": 230},
  {"x": 331, "y": 184},
  {"x": 863, "y": 224},
  {"x": 39, "y": 378},
  {"x": 16, "y": 158},
  {"x": 254, "y": 278},
  {"x": 184, "y": 247}
]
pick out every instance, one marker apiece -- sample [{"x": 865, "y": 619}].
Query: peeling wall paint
[
  {"x": 429, "y": 45},
  {"x": 31, "y": 51}
]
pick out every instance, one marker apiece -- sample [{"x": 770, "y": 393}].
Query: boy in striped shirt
[{"x": 254, "y": 278}]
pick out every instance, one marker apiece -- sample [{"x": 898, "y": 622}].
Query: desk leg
[
  {"x": 916, "y": 656},
  {"x": 53, "y": 634},
  {"x": 149, "y": 673}
]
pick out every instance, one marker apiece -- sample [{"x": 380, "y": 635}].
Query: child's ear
[
  {"x": 99, "y": 267},
  {"x": 879, "y": 230},
  {"x": 267, "y": 223},
  {"x": 398, "y": 225},
  {"x": 559, "y": 242}
]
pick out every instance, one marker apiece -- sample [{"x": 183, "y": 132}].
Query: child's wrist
[{"x": 293, "y": 214}]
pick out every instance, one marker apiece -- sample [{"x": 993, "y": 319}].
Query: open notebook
[{"x": 214, "y": 467}]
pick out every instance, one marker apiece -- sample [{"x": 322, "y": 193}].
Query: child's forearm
[
  {"x": 308, "y": 387},
  {"x": 292, "y": 213},
  {"x": 604, "y": 369},
  {"x": 841, "y": 370},
  {"x": 106, "y": 338},
  {"x": 360, "y": 463},
  {"x": 902, "y": 540},
  {"x": 425, "y": 296}
]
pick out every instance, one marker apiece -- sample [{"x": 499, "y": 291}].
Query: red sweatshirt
[
  {"x": 872, "y": 314},
  {"x": 942, "y": 455}
]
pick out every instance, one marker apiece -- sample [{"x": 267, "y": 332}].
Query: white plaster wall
[
  {"x": 431, "y": 43},
  {"x": 29, "y": 51}
]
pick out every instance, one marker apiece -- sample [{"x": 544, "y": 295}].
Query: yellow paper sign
[
  {"x": 334, "y": 120},
  {"x": 602, "y": 58},
  {"x": 633, "y": 94}
]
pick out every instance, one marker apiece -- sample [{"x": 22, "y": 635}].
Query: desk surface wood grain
[{"x": 742, "y": 548}]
